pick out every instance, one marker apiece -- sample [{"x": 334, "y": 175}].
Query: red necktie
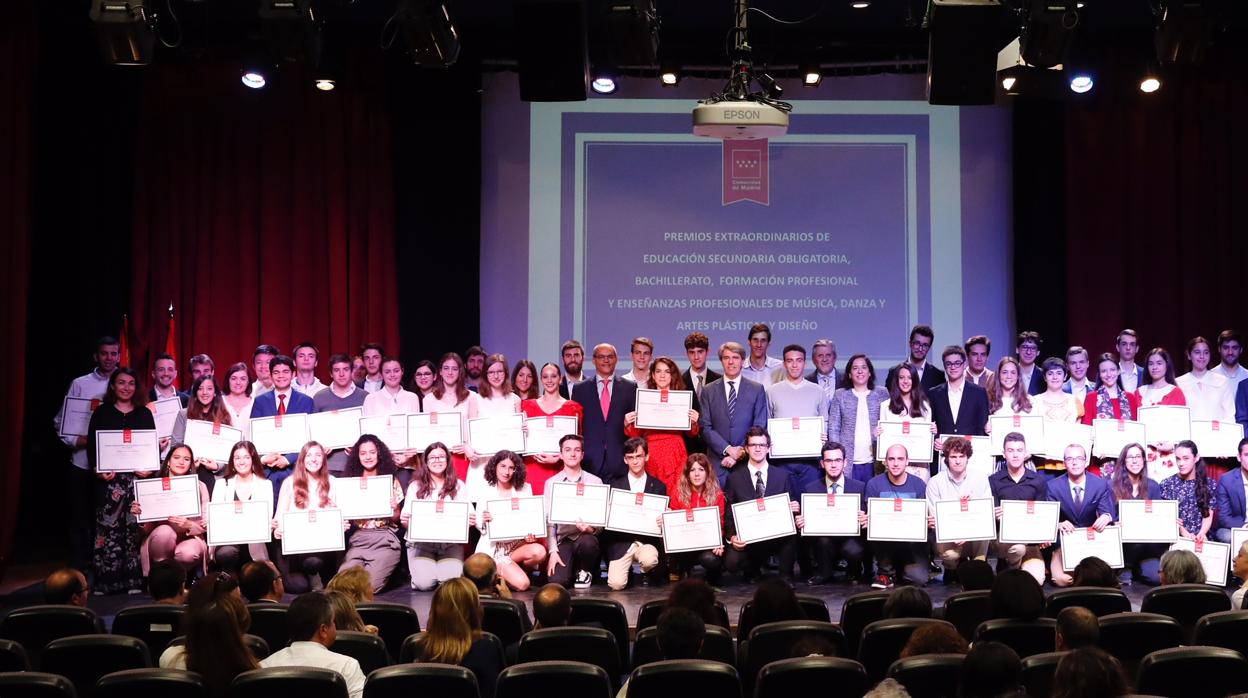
[
  {"x": 605, "y": 400},
  {"x": 281, "y": 405}
]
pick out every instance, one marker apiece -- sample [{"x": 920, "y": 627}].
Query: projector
[{"x": 739, "y": 120}]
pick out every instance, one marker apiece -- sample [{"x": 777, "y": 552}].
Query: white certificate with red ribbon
[
  {"x": 914, "y": 434},
  {"x": 312, "y": 531},
  {"x": 434, "y": 427},
  {"x": 578, "y": 502},
  {"x": 127, "y": 450},
  {"x": 1217, "y": 439},
  {"x": 438, "y": 521},
  {"x": 335, "y": 429},
  {"x": 1083, "y": 543},
  {"x": 1214, "y": 557},
  {"x": 516, "y": 518},
  {"x": 365, "y": 497},
  {"x": 1148, "y": 520},
  {"x": 211, "y": 440},
  {"x": 688, "y": 530},
  {"x": 764, "y": 519},
  {"x": 964, "y": 519},
  {"x": 1031, "y": 426},
  {"x": 160, "y": 498},
  {"x": 830, "y": 514},
  {"x": 1027, "y": 522},
  {"x": 285, "y": 433},
  {"x": 240, "y": 523},
  {"x": 636, "y": 512},
  {"x": 1110, "y": 436},
  {"x": 797, "y": 437},
  {"x": 897, "y": 520},
  {"x": 545, "y": 432},
  {"x": 664, "y": 409}
]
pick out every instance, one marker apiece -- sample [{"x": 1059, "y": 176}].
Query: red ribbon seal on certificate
[
  {"x": 126, "y": 436},
  {"x": 216, "y": 428},
  {"x": 1031, "y": 507},
  {"x": 580, "y": 489},
  {"x": 433, "y": 417},
  {"x": 440, "y": 506},
  {"x": 312, "y": 516},
  {"x": 688, "y": 515},
  {"x": 897, "y": 505},
  {"x": 831, "y": 500},
  {"x": 762, "y": 504},
  {"x": 663, "y": 396},
  {"x": 641, "y": 497},
  {"x": 1148, "y": 506},
  {"x": 165, "y": 485},
  {"x": 963, "y": 503},
  {"x": 905, "y": 427},
  {"x": 515, "y": 504},
  {"x": 238, "y": 507},
  {"x": 550, "y": 421}
]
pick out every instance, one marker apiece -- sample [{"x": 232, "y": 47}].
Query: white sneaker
[{"x": 583, "y": 580}]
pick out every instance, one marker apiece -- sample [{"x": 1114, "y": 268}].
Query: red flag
[
  {"x": 171, "y": 344},
  {"x": 124, "y": 358}
]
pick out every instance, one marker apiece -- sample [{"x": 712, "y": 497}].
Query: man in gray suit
[{"x": 730, "y": 406}]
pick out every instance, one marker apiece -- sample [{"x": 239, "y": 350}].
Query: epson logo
[{"x": 741, "y": 114}]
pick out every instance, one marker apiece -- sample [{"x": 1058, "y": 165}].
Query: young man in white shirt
[
  {"x": 978, "y": 348},
  {"x": 1077, "y": 362},
  {"x": 760, "y": 368},
  {"x": 371, "y": 354},
  {"x": 260, "y": 359},
  {"x": 306, "y": 358},
  {"x": 625, "y": 548},
  {"x": 1128, "y": 345},
  {"x": 642, "y": 351},
  {"x": 1230, "y": 346},
  {"x": 310, "y": 620},
  {"x": 573, "y": 549},
  {"x": 954, "y": 483}
]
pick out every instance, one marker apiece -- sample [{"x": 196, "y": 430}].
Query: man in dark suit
[
  {"x": 1027, "y": 348},
  {"x": 754, "y": 481},
  {"x": 1232, "y": 506},
  {"x": 696, "y": 378},
  {"x": 281, "y": 400},
  {"x": 606, "y": 398},
  {"x": 921, "y": 338},
  {"x": 970, "y": 415},
  {"x": 730, "y": 406},
  {"x": 625, "y": 548},
  {"x": 829, "y": 549},
  {"x": 823, "y": 356},
  {"x": 573, "y": 355},
  {"x": 164, "y": 374},
  {"x": 1086, "y": 503}
]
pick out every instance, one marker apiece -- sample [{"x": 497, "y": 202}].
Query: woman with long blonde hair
[
  {"x": 453, "y": 634},
  {"x": 309, "y": 488}
]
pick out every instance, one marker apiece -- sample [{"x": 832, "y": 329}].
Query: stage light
[
  {"x": 861, "y": 5},
  {"x": 632, "y": 32},
  {"x": 428, "y": 33},
  {"x": 669, "y": 78},
  {"x": 773, "y": 88},
  {"x": 325, "y": 85},
  {"x": 811, "y": 75},
  {"x": 253, "y": 79},
  {"x": 1047, "y": 33},
  {"x": 124, "y": 30},
  {"x": 291, "y": 31},
  {"x": 1188, "y": 29},
  {"x": 1081, "y": 83},
  {"x": 1008, "y": 82},
  {"x": 603, "y": 85},
  {"x": 1150, "y": 84}
]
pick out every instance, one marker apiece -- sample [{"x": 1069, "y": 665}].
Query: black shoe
[{"x": 816, "y": 581}]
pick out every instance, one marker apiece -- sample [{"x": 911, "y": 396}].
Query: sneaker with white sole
[
  {"x": 882, "y": 581},
  {"x": 583, "y": 580}
]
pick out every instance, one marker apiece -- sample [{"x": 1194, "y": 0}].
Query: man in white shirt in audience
[
  {"x": 371, "y": 353},
  {"x": 310, "y": 620},
  {"x": 1230, "y": 346},
  {"x": 760, "y": 368},
  {"x": 306, "y": 358},
  {"x": 260, "y": 359}
]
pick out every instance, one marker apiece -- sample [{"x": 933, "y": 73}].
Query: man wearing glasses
[
  {"x": 756, "y": 480},
  {"x": 1028, "y": 348},
  {"x": 829, "y": 549},
  {"x": 921, "y": 338},
  {"x": 1086, "y": 503},
  {"x": 606, "y": 398},
  {"x": 958, "y": 406}
]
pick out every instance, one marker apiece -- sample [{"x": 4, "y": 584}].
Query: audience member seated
[
  {"x": 888, "y": 688},
  {"x": 935, "y": 638},
  {"x": 1181, "y": 567},
  {"x": 679, "y": 634},
  {"x": 166, "y": 582},
  {"x": 1240, "y": 570},
  {"x": 481, "y": 570},
  {"x": 312, "y": 632},
  {"x": 908, "y": 602},
  {"x": 260, "y": 582},
  {"x": 353, "y": 581},
  {"x": 975, "y": 575},
  {"x": 552, "y": 607},
  {"x": 213, "y": 588},
  {"x": 66, "y": 586},
  {"x": 1090, "y": 673},
  {"x": 453, "y": 634},
  {"x": 1016, "y": 594},
  {"x": 1095, "y": 572},
  {"x": 1077, "y": 627},
  {"x": 697, "y": 596},
  {"x": 774, "y": 601},
  {"x": 812, "y": 646},
  {"x": 992, "y": 669},
  {"x": 345, "y": 615},
  {"x": 214, "y": 646}
]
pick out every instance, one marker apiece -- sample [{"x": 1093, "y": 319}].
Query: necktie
[
  {"x": 836, "y": 486},
  {"x": 759, "y": 489},
  {"x": 825, "y": 382},
  {"x": 732, "y": 400},
  {"x": 605, "y": 400},
  {"x": 1079, "y": 497},
  {"x": 699, "y": 388},
  {"x": 281, "y": 404}
]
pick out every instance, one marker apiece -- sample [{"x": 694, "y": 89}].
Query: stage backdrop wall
[{"x": 607, "y": 219}]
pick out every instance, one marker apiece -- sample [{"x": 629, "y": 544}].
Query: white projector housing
[{"x": 737, "y": 120}]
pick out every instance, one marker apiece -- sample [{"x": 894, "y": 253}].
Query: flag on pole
[
  {"x": 125, "y": 341},
  {"x": 170, "y": 343}
]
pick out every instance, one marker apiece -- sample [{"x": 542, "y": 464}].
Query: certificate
[
  {"x": 1083, "y": 543},
  {"x": 965, "y": 519},
  {"x": 1059, "y": 435},
  {"x": 391, "y": 429},
  {"x": 240, "y": 523},
  {"x": 545, "y": 432},
  {"x": 899, "y": 520},
  {"x": 797, "y": 437},
  {"x": 1029, "y": 522},
  {"x": 76, "y": 416},
  {"x": 636, "y": 512},
  {"x": 981, "y": 461},
  {"x": 1110, "y": 436},
  {"x": 914, "y": 434},
  {"x": 211, "y": 440},
  {"x": 664, "y": 409},
  {"x": 162, "y": 497},
  {"x": 446, "y": 428},
  {"x": 1238, "y": 537},
  {"x": 578, "y": 502},
  {"x": 687, "y": 530},
  {"x": 1031, "y": 426},
  {"x": 1214, "y": 557},
  {"x": 1217, "y": 439},
  {"x": 285, "y": 434},
  {"x": 166, "y": 411},
  {"x": 365, "y": 497},
  {"x": 516, "y": 518},
  {"x": 312, "y": 531},
  {"x": 1167, "y": 423},
  {"x": 763, "y": 519},
  {"x": 438, "y": 521},
  {"x": 1148, "y": 520},
  {"x": 335, "y": 428},
  {"x": 831, "y": 514},
  {"x": 126, "y": 450},
  {"x": 489, "y": 435}
]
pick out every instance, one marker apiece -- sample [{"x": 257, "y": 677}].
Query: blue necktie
[
  {"x": 732, "y": 400},
  {"x": 759, "y": 489}
]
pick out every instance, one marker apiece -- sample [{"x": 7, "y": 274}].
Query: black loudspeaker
[
  {"x": 962, "y": 51},
  {"x": 552, "y": 50}
]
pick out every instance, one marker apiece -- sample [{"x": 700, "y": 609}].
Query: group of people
[{"x": 722, "y": 459}]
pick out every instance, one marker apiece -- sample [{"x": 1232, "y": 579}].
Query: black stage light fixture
[
  {"x": 1187, "y": 30},
  {"x": 552, "y": 50},
  {"x": 962, "y": 51},
  {"x": 124, "y": 31},
  {"x": 632, "y": 31},
  {"x": 428, "y": 32},
  {"x": 291, "y": 31},
  {"x": 1047, "y": 32}
]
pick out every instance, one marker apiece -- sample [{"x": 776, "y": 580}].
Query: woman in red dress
[
  {"x": 540, "y": 468},
  {"x": 667, "y": 446},
  {"x": 696, "y": 488}
]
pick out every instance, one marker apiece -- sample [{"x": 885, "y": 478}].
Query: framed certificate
[
  {"x": 636, "y": 512},
  {"x": 76, "y": 416},
  {"x": 127, "y": 450},
  {"x": 516, "y": 518},
  {"x": 545, "y": 432},
  {"x": 211, "y": 440},
  {"x": 240, "y": 523},
  {"x": 797, "y": 437},
  {"x": 365, "y": 497},
  {"x": 897, "y": 520},
  {"x": 981, "y": 462},
  {"x": 335, "y": 428},
  {"x": 1238, "y": 537},
  {"x": 1148, "y": 520},
  {"x": 1059, "y": 435},
  {"x": 312, "y": 531},
  {"x": 965, "y": 519},
  {"x": 1214, "y": 557},
  {"x": 831, "y": 514},
  {"x": 166, "y": 410},
  {"x": 1110, "y": 436},
  {"x": 687, "y": 530},
  {"x": 664, "y": 409},
  {"x": 1217, "y": 439},
  {"x": 390, "y": 428},
  {"x": 763, "y": 519},
  {"x": 438, "y": 521},
  {"x": 1083, "y": 543},
  {"x": 489, "y": 435},
  {"x": 914, "y": 434},
  {"x": 1028, "y": 522},
  {"x": 162, "y": 497},
  {"x": 1167, "y": 423},
  {"x": 579, "y": 502},
  {"x": 434, "y": 427},
  {"x": 285, "y": 434},
  {"x": 1029, "y": 425}
]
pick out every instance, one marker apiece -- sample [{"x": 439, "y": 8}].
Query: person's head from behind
[
  {"x": 552, "y": 606},
  {"x": 215, "y": 648},
  {"x": 975, "y": 575},
  {"x": 1076, "y": 627},
  {"x": 1095, "y": 572},
  {"x": 696, "y": 595},
  {"x": 1016, "y": 594},
  {"x": 991, "y": 669},
  {"x": 680, "y": 633},
  {"x": 167, "y": 582},
  {"x": 260, "y": 580},
  {"x": 454, "y": 622},
  {"x": 345, "y": 615},
  {"x": 774, "y": 600},
  {"x": 66, "y": 586},
  {"x": 310, "y": 618},
  {"x": 481, "y": 570},
  {"x": 934, "y": 638},
  {"x": 908, "y": 602},
  {"x": 354, "y": 582},
  {"x": 1089, "y": 673},
  {"x": 1240, "y": 564},
  {"x": 212, "y": 587},
  {"x": 1181, "y": 567}
]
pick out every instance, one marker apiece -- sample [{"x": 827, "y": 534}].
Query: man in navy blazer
[
  {"x": 749, "y": 482},
  {"x": 1232, "y": 507},
  {"x": 829, "y": 549},
  {"x": 724, "y": 433},
  {"x": 285, "y": 400},
  {"x": 624, "y": 548},
  {"x": 604, "y": 433},
  {"x": 1086, "y": 500},
  {"x": 573, "y": 360},
  {"x": 921, "y": 339},
  {"x": 972, "y": 405}
]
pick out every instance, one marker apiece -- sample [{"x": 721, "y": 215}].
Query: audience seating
[
  {"x": 770, "y": 642},
  {"x": 304, "y": 682},
  {"x": 268, "y": 620},
  {"x": 1185, "y": 603},
  {"x": 407, "y": 653},
  {"x": 787, "y": 678},
  {"x": 395, "y": 622},
  {"x": 1038, "y": 670},
  {"x": 813, "y": 606},
  {"x": 572, "y": 643},
  {"x": 1227, "y": 629},
  {"x": 13, "y": 656},
  {"x": 35, "y": 684},
  {"x": 683, "y": 678},
  {"x": 408, "y": 680},
  {"x": 1101, "y": 601},
  {"x": 610, "y": 614},
  {"x": 859, "y": 611},
  {"x": 717, "y": 646},
  {"x": 259, "y": 648},
  {"x": 1131, "y": 636},
  {"x": 503, "y": 618},
  {"x": 368, "y": 649},
  {"x": 151, "y": 683},
  {"x": 966, "y": 610},
  {"x": 883, "y": 640},
  {"x": 929, "y": 675},
  {"x": 154, "y": 624},
  {"x": 1195, "y": 672},
  {"x": 1026, "y": 637},
  {"x": 83, "y": 659},
  {"x": 35, "y": 626},
  {"x": 555, "y": 679},
  {"x": 648, "y": 614}
]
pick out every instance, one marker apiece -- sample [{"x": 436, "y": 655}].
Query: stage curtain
[{"x": 262, "y": 216}]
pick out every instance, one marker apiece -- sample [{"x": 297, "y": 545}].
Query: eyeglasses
[
  {"x": 603, "y": 357},
  {"x": 758, "y": 445},
  {"x": 1029, "y": 347},
  {"x": 924, "y": 345},
  {"x": 496, "y": 372},
  {"x": 424, "y": 374},
  {"x": 1075, "y": 459},
  {"x": 954, "y": 364}
]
